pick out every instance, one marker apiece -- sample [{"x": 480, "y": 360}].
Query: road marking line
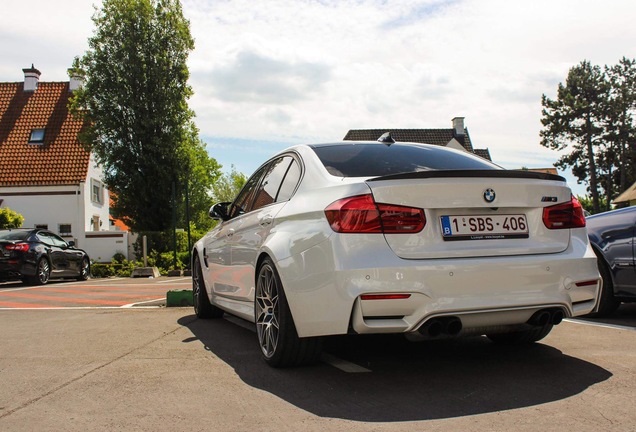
[
  {"x": 48, "y": 308},
  {"x": 595, "y": 324},
  {"x": 175, "y": 280},
  {"x": 334, "y": 361},
  {"x": 94, "y": 293},
  {"x": 343, "y": 365},
  {"x": 12, "y": 305},
  {"x": 60, "y": 299},
  {"x": 130, "y": 305}
]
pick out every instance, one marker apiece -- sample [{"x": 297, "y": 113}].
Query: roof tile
[{"x": 61, "y": 159}]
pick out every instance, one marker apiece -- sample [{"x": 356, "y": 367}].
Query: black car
[
  {"x": 612, "y": 237},
  {"x": 35, "y": 255}
]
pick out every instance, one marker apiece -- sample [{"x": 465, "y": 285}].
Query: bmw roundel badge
[{"x": 489, "y": 195}]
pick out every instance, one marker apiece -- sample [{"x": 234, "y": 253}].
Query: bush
[
  {"x": 10, "y": 219},
  {"x": 123, "y": 268}
]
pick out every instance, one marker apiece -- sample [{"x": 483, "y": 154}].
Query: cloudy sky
[{"x": 274, "y": 73}]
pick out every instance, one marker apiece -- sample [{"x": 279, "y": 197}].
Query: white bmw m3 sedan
[{"x": 392, "y": 237}]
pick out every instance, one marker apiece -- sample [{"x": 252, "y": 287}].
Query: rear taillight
[
  {"x": 566, "y": 215},
  {"x": 19, "y": 247},
  {"x": 361, "y": 214}
]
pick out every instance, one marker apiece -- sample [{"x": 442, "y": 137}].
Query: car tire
[
  {"x": 521, "y": 337},
  {"x": 42, "y": 273},
  {"x": 202, "y": 307},
  {"x": 278, "y": 339},
  {"x": 85, "y": 270},
  {"x": 607, "y": 303}
]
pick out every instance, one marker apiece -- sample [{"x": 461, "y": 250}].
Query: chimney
[
  {"x": 458, "y": 127},
  {"x": 31, "y": 78},
  {"x": 77, "y": 80}
]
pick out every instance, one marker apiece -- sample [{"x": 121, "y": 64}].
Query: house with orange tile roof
[
  {"x": 46, "y": 174},
  {"x": 456, "y": 137}
]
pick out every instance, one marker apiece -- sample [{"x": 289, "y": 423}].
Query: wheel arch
[
  {"x": 266, "y": 254},
  {"x": 603, "y": 259}
]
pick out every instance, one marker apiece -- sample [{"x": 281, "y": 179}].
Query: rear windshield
[
  {"x": 374, "y": 160},
  {"x": 14, "y": 235}
]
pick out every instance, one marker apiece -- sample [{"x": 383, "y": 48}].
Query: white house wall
[
  {"x": 47, "y": 205},
  {"x": 93, "y": 209},
  {"x": 104, "y": 244}
]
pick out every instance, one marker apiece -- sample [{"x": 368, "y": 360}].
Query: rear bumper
[
  {"x": 324, "y": 289},
  {"x": 11, "y": 270}
]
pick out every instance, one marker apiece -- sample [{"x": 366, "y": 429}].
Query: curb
[{"x": 179, "y": 298}]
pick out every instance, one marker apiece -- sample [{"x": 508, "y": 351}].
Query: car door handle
[{"x": 266, "y": 220}]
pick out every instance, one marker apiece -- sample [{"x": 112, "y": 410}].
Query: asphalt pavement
[{"x": 161, "y": 369}]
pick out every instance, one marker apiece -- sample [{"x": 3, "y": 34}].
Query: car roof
[{"x": 612, "y": 213}]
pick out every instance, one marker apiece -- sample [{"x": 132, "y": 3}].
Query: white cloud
[{"x": 283, "y": 71}]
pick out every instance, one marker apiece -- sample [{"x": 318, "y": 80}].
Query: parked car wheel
[
  {"x": 202, "y": 306},
  {"x": 521, "y": 337},
  {"x": 277, "y": 335},
  {"x": 42, "y": 274},
  {"x": 85, "y": 270},
  {"x": 607, "y": 304}
]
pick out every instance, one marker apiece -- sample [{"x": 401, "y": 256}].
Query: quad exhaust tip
[
  {"x": 435, "y": 327},
  {"x": 544, "y": 317}
]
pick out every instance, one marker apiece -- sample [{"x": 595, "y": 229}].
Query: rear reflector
[
  {"x": 385, "y": 296},
  {"x": 361, "y": 214},
  {"x": 564, "y": 216},
  {"x": 587, "y": 283}
]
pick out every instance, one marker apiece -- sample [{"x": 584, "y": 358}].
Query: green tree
[
  {"x": 202, "y": 173},
  {"x": 10, "y": 218},
  {"x": 574, "y": 122},
  {"x": 620, "y": 130},
  {"x": 586, "y": 203},
  {"x": 227, "y": 187},
  {"x": 134, "y": 102}
]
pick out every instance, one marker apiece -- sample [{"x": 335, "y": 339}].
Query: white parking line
[
  {"x": 130, "y": 305},
  {"x": 58, "y": 284},
  {"x": 175, "y": 280},
  {"x": 343, "y": 365},
  {"x": 604, "y": 325},
  {"x": 60, "y": 308},
  {"x": 334, "y": 361}
]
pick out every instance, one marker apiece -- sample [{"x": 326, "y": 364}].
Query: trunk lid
[{"x": 475, "y": 213}]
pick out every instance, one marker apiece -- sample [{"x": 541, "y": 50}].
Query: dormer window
[{"x": 37, "y": 136}]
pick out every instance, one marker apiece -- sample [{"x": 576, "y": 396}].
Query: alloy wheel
[
  {"x": 85, "y": 269},
  {"x": 44, "y": 271},
  {"x": 196, "y": 286},
  {"x": 267, "y": 311}
]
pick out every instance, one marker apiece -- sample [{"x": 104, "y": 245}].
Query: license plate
[{"x": 482, "y": 227}]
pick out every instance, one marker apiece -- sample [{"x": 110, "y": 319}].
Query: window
[
  {"x": 373, "y": 160},
  {"x": 97, "y": 191},
  {"x": 268, "y": 190},
  {"x": 37, "y": 136},
  {"x": 65, "y": 230},
  {"x": 243, "y": 201},
  {"x": 290, "y": 182}
]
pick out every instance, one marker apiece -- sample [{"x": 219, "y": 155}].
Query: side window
[
  {"x": 289, "y": 184},
  {"x": 268, "y": 189},
  {"x": 243, "y": 201},
  {"x": 44, "y": 238},
  {"x": 57, "y": 241}
]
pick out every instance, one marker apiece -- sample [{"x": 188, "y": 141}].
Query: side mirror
[
  {"x": 219, "y": 211},
  {"x": 71, "y": 244}
]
